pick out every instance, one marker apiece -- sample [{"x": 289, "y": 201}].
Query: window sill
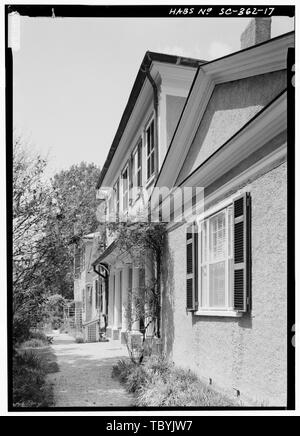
[{"x": 221, "y": 313}]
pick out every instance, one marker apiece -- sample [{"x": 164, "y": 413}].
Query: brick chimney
[{"x": 257, "y": 31}]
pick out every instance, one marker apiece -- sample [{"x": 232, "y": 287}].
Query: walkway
[{"x": 84, "y": 377}]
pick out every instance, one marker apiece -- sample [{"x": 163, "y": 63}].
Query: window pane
[
  {"x": 133, "y": 170},
  {"x": 230, "y": 282},
  {"x": 152, "y": 163},
  {"x": 204, "y": 286},
  {"x": 217, "y": 284},
  {"x": 148, "y": 142},
  {"x": 152, "y": 134},
  {"x": 217, "y": 237},
  {"x": 125, "y": 201},
  {"x": 230, "y": 232},
  {"x": 204, "y": 242},
  {"x": 139, "y": 153},
  {"x": 139, "y": 178},
  {"x": 125, "y": 179}
]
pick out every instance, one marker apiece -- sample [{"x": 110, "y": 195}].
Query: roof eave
[{"x": 137, "y": 86}]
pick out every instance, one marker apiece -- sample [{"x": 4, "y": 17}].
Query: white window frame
[
  {"x": 125, "y": 192},
  {"x": 135, "y": 170},
  {"x": 227, "y": 311},
  {"x": 208, "y": 263},
  {"x": 116, "y": 198},
  {"x": 153, "y": 151}
]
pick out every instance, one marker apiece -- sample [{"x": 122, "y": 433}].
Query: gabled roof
[
  {"x": 139, "y": 81},
  {"x": 258, "y": 59}
]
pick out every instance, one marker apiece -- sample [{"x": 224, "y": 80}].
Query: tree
[
  {"x": 75, "y": 198},
  {"x": 45, "y": 217},
  {"x": 141, "y": 239},
  {"x": 54, "y": 310},
  {"x": 31, "y": 209}
]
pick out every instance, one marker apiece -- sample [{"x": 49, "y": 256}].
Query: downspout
[{"x": 145, "y": 69}]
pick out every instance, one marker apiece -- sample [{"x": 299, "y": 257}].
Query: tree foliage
[
  {"x": 45, "y": 217},
  {"x": 74, "y": 196},
  {"x": 142, "y": 240},
  {"x": 31, "y": 209}
]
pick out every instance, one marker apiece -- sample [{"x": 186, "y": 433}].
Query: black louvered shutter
[
  {"x": 241, "y": 245},
  {"x": 192, "y": 268}
]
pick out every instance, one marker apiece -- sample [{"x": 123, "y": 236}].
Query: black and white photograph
[{"x": 150, "y": 201}]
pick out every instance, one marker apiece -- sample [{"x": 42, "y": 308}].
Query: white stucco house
[{"x": 220, "y": 126}]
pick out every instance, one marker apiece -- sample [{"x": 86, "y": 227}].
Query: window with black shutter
[
  {"x": 241, "y": 245},
  {"x": 192, "y": 268},
  {"x": 224, "y": 259}
]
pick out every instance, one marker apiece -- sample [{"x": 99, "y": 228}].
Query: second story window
[
  {"x": 139, "y": 164},
  {"x": 117, "y": 198},
  {"x": 150, "y": 150},
  {"x": 136, "y": 169},
  {"x": 125, "y": 189}
]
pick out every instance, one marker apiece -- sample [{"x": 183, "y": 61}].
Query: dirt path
[{"x": 84, "y": 377}]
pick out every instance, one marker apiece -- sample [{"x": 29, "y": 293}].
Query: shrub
[
  {"x": 180, "y": 388},
  {"x": 29, "y": 380},
  {"x": 131, "y": 374},
  {"x": 122, "y": 370},
  {"x": 33, "y": 343},
  {"x": 28, "y": 358},
  {"x": 137, "y": 378},
  {"x": 158, "y": 366},
  {"x": 39, "y": 335},
  {"x": 158, "y": 383},
  {"x": 21, "y": 329},
  {"x": 79, "y": 340}
]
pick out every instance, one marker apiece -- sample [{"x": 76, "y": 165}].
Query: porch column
[
  {"x": 135, "y": 284},
  {"x": 117, "y": 300},
  {"x": 149, "y": 281},
  {"x": 125, "y": 281},
  {"x": 110, "y": 302}
]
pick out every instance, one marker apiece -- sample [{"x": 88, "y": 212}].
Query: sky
[{"x": 72, "y": 76}]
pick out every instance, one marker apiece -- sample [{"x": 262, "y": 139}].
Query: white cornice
[
  {"x": 264, "y": 58},
  {"x": 172, "y": 73}
]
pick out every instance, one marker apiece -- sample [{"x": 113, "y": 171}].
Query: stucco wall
[
  {"x": 249, "y": 353},
  {"x": 231, "y": 106},
  {"x": 174, "y": 106}
]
